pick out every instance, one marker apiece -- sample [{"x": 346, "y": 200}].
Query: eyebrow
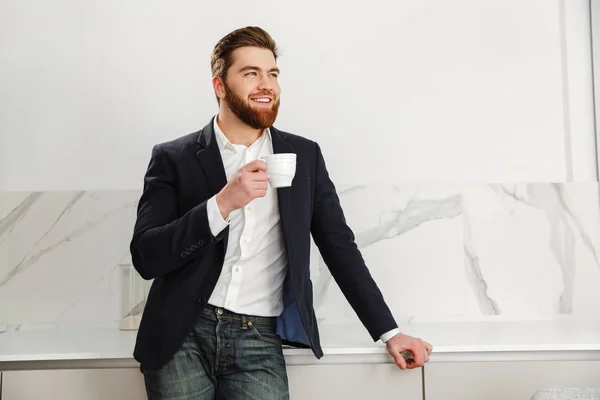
[{"x": 254, "y": 68}]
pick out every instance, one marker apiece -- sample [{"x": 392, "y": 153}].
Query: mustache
[{"x": 263, "y": 93}]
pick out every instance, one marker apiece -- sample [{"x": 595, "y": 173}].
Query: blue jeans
[{"x": 226, "y": 356}]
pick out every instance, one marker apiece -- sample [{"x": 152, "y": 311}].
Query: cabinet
[
  {"x": 354, "y": 382},
  {"x": 307, "y": 382},
  {"x": 442, "y": 381},
  {"x": 86, "y": 384},
  {"x": 505, "y": 380}
]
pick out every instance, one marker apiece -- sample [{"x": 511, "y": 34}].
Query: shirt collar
[{"x": 223, "y": 142}]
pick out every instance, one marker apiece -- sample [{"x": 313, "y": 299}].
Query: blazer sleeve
[
  {"x": 337, "y": 246},
  {"x": 162, "y": 240}
]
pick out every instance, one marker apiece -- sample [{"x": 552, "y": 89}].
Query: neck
[{"x": 236, "y": 131}]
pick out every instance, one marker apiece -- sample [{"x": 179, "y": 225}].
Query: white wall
[
  {"x": 595, "y": 22},
  {"x": 402, "y": 91},
  {"x": 580, "y": 143},
  {"x": 425, "y": 91}
]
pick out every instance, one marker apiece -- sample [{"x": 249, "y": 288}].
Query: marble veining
[
  {"x": 535, "y": 214},
  {"x": 475, "y": 277},
  {"x": 392, "y": 223},
  {"x": 530, "y": 245},
  {"x": 60, "y": 252},
  {"x": 30, "y": 259},
  {"x": 436, "y": 250},
  {"x": 8, "y": 222}
]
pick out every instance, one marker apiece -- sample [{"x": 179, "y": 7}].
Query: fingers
[
  {"x": 426, "y": 350},
  {"x": 420, "y": 353},
  {"x": 415, "y": 350},
  {"x": 257, "y": 189},
  {"x": 418, "y": 349},
  {"x": 253, "y": 178},
  {"x": 260, "y": 177},
  {"x": 429, "y": 347},
  {"x": 260, "y": 192},
  {"x": 255, "y": 171},
  {"x": 255, "y": 166},
  {"x": 400, "y": 361}
]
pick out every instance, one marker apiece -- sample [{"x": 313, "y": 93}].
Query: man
[{"x": 229, "y": 254}]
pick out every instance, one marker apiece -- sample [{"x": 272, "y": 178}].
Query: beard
[{"x": 262, "y": 118}]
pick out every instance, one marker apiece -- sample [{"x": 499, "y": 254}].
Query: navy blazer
[{"x": 172, "y": 243}]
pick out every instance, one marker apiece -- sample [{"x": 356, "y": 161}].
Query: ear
[{"x": 219, "y": 87}]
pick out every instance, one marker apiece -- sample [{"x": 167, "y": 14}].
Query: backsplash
[
  {"x": 60, "y": 253},
  {"x": 522, "y": 250},
  {"x": 436, "y": 251}
]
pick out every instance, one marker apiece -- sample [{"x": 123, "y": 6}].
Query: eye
[
  {"x": 274, "y": 74},
  {"x": 251, "y": 73}
]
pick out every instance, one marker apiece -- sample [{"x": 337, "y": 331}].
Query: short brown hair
[{"x": 252, "y": 36}]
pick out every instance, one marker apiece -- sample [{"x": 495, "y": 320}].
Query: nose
[{"x": 265, "y": 83}]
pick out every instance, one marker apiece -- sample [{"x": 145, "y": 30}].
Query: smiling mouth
[{"x": 262, "y": 100}]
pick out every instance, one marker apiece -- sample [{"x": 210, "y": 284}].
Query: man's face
[{"x": 251, "y": 87}]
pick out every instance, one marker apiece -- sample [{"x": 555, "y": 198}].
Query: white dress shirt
[{"x": 255, "y": 264}]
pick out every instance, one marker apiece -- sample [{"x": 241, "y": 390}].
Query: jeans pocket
[{"x": 266, "y": 334}]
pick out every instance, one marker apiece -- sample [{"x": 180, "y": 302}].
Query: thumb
[{"x": 400, "y": 361}]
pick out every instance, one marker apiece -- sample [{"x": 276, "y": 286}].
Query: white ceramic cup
[{"x": 281, "y": 169}]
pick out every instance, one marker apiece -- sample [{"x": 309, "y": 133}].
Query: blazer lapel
[
  {"x": 281, "y": 145},
  {"x": 209, "y": 156}
]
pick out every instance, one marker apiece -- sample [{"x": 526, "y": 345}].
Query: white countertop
[{"x": 107, "y": 347}]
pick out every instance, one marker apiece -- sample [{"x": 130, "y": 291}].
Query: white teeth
[{"x": 262, "y": 100}]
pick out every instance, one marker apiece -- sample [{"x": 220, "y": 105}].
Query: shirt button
[
  {"x": 249, "y": 208},
  {"x": 244, "y": 241},
  {"x": 237, "y": 270}
]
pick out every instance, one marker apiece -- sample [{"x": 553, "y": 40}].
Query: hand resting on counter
[{"x": 408, "y": 352}]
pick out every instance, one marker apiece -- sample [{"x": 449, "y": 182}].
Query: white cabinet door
[
  {"x": 354, "y": 382},
  {"x": 88, "y": 384},
  {"x": 505, "y": 380},
  {"x": 310, "y": 382}
]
